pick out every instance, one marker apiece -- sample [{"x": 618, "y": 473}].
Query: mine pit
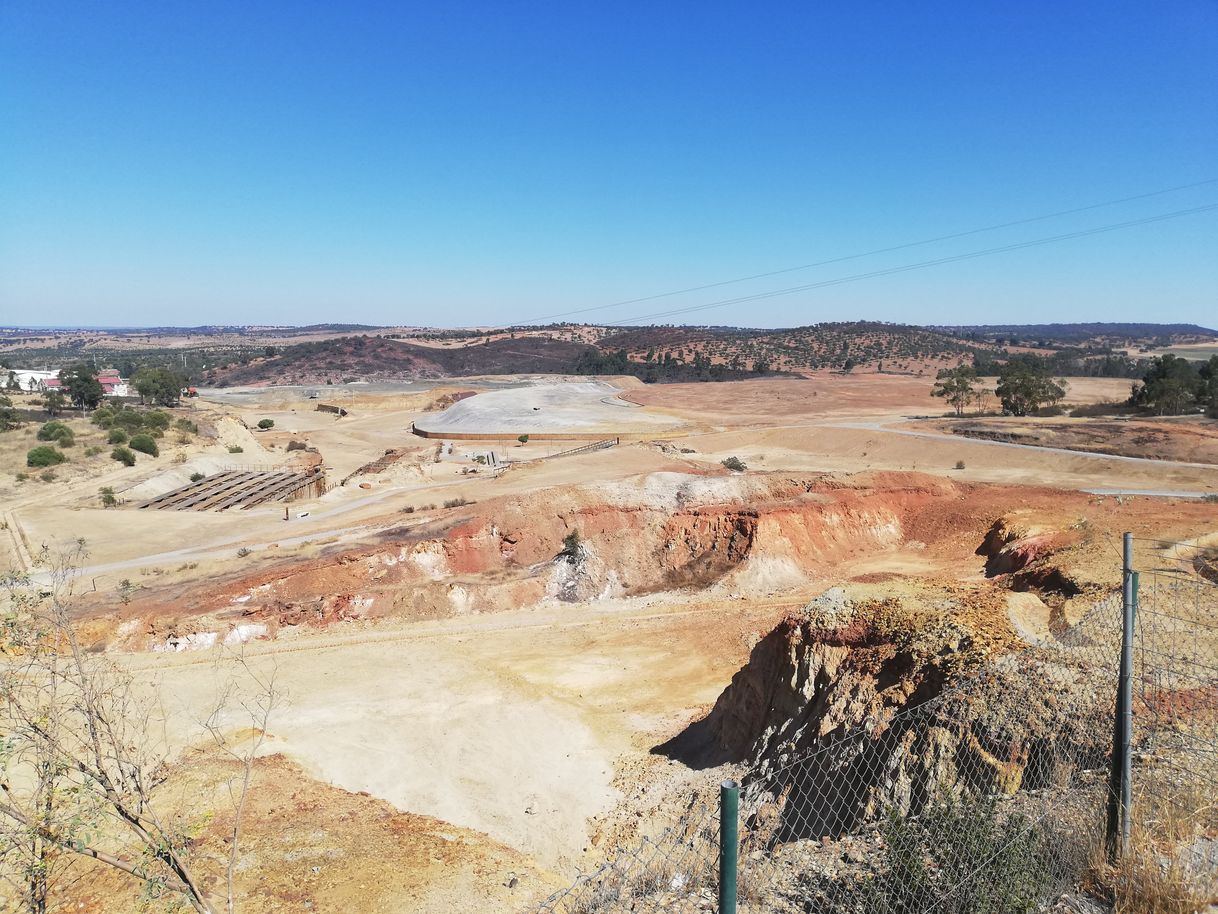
[{"x": 513, "y": 673}]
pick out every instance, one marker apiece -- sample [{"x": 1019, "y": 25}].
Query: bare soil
[
  {"x": 473, "y": 698},
  {"x": 1191, "y": 440}
]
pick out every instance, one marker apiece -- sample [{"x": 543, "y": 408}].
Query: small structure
[{"x": 239, "y": 488}]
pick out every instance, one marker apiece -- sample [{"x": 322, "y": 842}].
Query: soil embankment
[{"x": 1187, "y": 440}]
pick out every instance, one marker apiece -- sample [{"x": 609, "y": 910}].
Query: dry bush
[
  {"x": 1152, "y": 876},
  {"x": 84, "y": 755}
]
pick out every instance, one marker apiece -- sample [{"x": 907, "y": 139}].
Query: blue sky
[{"x": 466, "y": 163}]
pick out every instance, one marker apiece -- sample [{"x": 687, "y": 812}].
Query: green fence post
[
  {"x": 1116, "y": 829},
  {"x": 1127, "y": 701},
  {"x": 729, "y": 844}
]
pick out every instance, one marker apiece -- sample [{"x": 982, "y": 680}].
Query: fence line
[{"x": 989, "y": 796}]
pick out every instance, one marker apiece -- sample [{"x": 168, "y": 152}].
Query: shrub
[
  {"x": 688, "y": 450},
  {"x": 266, "y": 423},
  {"x": 66, "y": 439},
  {"x": 51, "y": 431},
  {"x": 145, "y": 444},
  {"x": 9, "y": 417},
  {"x": 156, "y": 420},
  {"x": 243, "y": 552},
  {"x": 297, "y": 446},
  {"x": 236, "y": 449},
  {"x": 195, "y": 477},
  {"x": 1053, "y": 409},
  {"x": 959, "y": 464},
  {"x": 44, "y": 456},
  {"x": 735, "y": 464},
  {"x": 523, "y": 439},
  {"x": 409, "y": 509},
  {"x": 93, "y": 450},
  {"x": 123, "y": 455},
  {"x": 106, "y": 494},
  {"x": 117, "y": 436},
  {"x": 570, "y": 545},
  {"x": 128, "y": 419},
  {"x": 185, "y": 425},
  {"x": 456, "y": 502},
  {"x": 967, "y": 853},
  {"x": 47, "y": 476},
  {"x": 22, "y": 477},
  {"x": 1111, "y": 408},
  {"x": 102, "y": 416}
]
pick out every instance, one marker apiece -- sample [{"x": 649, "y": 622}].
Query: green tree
[
  {"x": 13, "y": 383},
  {"x": 266, "y": 423},
  {"x": 107, "y": 496},
  {"x": 1023, "y": 388},
  {"x": 54, "y": 403},
  {"x": 1171, "y": 385},
  {"x": 1209, "y": 397},
  {"x": 9, "y": 417},
  {"x": 955, "y": 385},
  {"x": 80, "y": 381},
  {"x": 159, "y": 385}
]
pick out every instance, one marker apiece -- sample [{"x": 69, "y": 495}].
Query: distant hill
[
  {"x": 1094, "y": 333},
  {"x": 371, "y": 358},
  {"x": 710, "y": 353},
  {"x": 814, "y": 347},
  {"x": 368, "y": 358}
]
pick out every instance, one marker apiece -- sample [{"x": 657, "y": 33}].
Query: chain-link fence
[
  {"x": 992, "y": 796},
  {"x": 1174, "y": 809}
]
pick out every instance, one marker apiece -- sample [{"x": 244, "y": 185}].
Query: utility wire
[
  {"x": 905, "y": 268},
  {"x": 887, "y": 250}
]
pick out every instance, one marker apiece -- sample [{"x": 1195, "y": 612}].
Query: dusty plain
[{"x": 481, "y": 654}]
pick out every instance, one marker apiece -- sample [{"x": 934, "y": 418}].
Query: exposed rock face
[
  {"x": 755, "y": 534},
  {"x": 825, "y": 670},
  {"x": 1016, "y": 547},
  {"x": 842, "y": 712},
  {"x": 1013, "y": 544},
  {"x": 700, "y": 547}
]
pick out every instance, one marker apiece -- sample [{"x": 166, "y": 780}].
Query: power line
[
  {"x": 872, "y": 253},
  {"x": 905, "y": 268}
]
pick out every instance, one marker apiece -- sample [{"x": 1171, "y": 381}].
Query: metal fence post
[
  {"x": 1116, "y": 832},
  {"x": 1131, "y": 609},
  {"x": 729, "y": 844}
]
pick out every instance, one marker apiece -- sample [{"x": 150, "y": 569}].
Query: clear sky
[{"x": 454, "y": 163}]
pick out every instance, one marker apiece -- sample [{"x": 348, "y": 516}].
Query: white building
[{"x": 26, "y": 376}]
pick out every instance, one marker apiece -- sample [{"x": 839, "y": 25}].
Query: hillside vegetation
[{"x": 669, "y": 354}]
